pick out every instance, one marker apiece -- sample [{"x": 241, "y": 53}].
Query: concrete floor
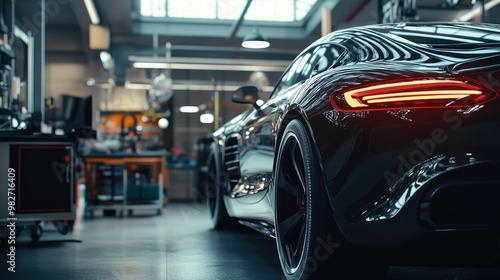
[{"x": 176, "y": 245}]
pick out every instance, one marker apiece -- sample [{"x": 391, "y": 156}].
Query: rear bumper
[
  {"x": 435, "y": 197},
  {"x": 381, "y": 196},
  {"x": 471, "y": 203},
  {"x": 449, "y": 193},
  {"x": 446, "y": 214}
]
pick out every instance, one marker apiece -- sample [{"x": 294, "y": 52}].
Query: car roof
[{"x": 430, "y": 34}]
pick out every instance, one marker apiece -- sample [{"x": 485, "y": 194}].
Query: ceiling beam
[
  {"x": 215, "y": 30},
  {"x": 238, "y": 22},
  {"x": 81, "y": 17},
  {"x": 83, "y": 20},
  {"x": 117, "y": 14}
]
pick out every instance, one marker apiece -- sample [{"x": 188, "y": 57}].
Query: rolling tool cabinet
[{"x": 37, "y": 175}]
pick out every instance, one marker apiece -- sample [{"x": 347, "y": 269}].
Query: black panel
[{"x": 41, "y": 178}]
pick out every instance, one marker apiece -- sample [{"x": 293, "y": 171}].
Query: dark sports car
[{"x": 379, "y": 145}]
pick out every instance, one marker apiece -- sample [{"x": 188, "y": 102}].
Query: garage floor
[{"x": 176, "y": 245}]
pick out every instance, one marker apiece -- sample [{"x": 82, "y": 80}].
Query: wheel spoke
[
  {"x": 288, "y": 187},
  {"x": 290, "y": 255},
  {"x": 300, "y": 241},
  {"x": 290, "y": 180},
  {"x": 287, "y": 225},
  {"x": 292, "y": 237},
  {"x": 298, "y": 167}
]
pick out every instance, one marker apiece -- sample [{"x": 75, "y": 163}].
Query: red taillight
[{"x": 415, "y": 93}]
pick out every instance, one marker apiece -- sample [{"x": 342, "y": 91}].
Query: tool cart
[{"x": 37, "y": 173}]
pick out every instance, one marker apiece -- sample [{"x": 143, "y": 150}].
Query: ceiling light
[
  {"x": 208, "y": 87},
  {"x": 14, "y": 123},
  {"x": 211, "y": 67},
  {"x": 163, "y": 123},
  {"x": 94, "y": 16},
  {"x": 90, "y": 82},
  {"x": 22, "y": 125},
  {"x": 189, "y": 109},
  {"x": 211, "y": 64},
  {"x": 207, "y": 117},
  {"x": 151, "y": 65},
  {"x": 106, "y": 59},
  {"x": 255, "y": 40}
]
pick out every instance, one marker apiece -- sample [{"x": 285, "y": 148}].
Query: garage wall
[
  {"x": 188, "y": 128},
  {"x": 70, "y": 78},
  {"x": 122, "y": 99},
  {"x": 66, "y": 78}
]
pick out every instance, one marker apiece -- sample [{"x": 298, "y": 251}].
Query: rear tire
[
  {"x": 217, "y": 209},
  {"x": 310, "y": 246}
]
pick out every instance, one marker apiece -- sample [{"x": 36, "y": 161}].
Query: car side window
[
  {"x": 293, "y": 74},
  {"x": 326, "y": 57},
  {"x": 308, "y": 65}
]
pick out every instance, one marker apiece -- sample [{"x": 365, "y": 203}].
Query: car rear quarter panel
[{"x": 357, "y": 149}]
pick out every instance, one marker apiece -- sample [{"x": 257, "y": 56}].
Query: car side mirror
[{"x": 246, "y": 95}]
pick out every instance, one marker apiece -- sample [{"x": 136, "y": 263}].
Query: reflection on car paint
[{"x": 400, "y": 192}]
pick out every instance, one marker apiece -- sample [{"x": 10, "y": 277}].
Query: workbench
[{"x": 153, "y": 160}]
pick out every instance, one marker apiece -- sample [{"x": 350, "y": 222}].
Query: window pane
[
  {"x": 153, "y": 8},
  {"x": 192, "y": 9},
  {"x": 230, "y": 9},
  {"x": 302, "y": 8},
  {"x": 278, "y": 10},
  {"x": 259, "y": 10},
  {"x": 146, "y": 8}
]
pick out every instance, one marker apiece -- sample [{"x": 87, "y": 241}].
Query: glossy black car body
[{"x": 394, "y": 133}]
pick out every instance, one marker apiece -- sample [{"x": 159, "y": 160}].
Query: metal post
[
  {"x": 216, "y": 106},
  {"x": 39, "y": 65},
  {"x": 380, "y": 13},
  {"x": 31, "y": 69},
  {"x": 483, "y": 12},
  {"x": 326, "y": 21}
]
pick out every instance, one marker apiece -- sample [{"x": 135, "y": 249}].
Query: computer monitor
[{"x": 79, "y": 119}]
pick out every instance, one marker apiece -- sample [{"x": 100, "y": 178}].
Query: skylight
[
  {"x": 153, "y": 8},
  {"x": 259, "y": 10}
]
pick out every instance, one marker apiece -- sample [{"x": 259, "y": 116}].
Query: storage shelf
[{"x": 7, "y": 52}]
